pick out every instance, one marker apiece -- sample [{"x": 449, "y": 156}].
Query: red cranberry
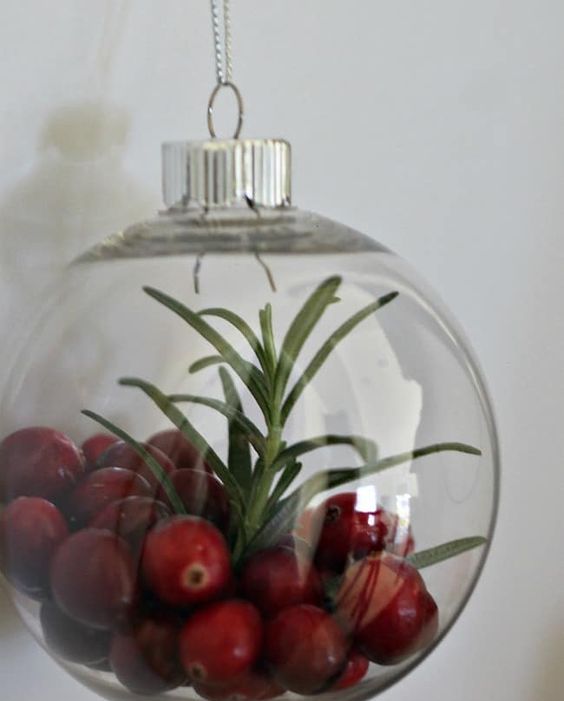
[
  {"x": 348, "y": 532},
  {"x": 355, "y": 671},
  {"x": 279, "y": 577},
  {"x": 179, "y": 449},
  {"x": 71, "y": 640},
  {"x": 131, "y": 519},
  {"x": 121, "y": 454},
  {"x": 145, "y": 659},
  {"x": 95, "y": 446},
  {"x": 38, "y": 462},
  {"x": 385, "y": 604},
  {"x": 101, "y": 488},
  {"x": 221, "y": 642},
  {"x": 186, "y": 561},
  {"x": 202, "y": 495},
  {"x": 31, "y": 530},
  {"x": 255, "y": 685},
  {"x": 93, "y": 579},
  {"x": 305, "y": 648}
]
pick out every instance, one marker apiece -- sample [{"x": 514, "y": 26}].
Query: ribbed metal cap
[{"x": 222, "y": 173}]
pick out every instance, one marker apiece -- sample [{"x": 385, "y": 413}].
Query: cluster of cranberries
[{"x": 128, "y": 587}]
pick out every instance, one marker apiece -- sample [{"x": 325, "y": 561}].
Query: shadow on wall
[
  {"x": 77, "y": 192},
  {"x": 550, "y": 671}
]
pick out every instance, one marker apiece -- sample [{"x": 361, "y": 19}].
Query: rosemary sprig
[
  {"x": 230, "y": 411},
  {"x": 327, "y": 348},
  {"x": 190, "y": 433},
  {"x": 265, "y": 318},
  {"x": 204, "y": 363},
  {"x": 426, "y": 558},
  {"x": 239, "y": 455},
  {"x": 146, "y": 456},
  {"x": 242, "y": 326},
  {"x": 258, "y": 491},
  {"x": 300, "y": 328},
  {"x": 251, "y": 376},
  {"x": 367, "y": 449},
  {"x": 285, "y": 512}
]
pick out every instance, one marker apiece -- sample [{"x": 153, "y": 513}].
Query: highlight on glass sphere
[{"x": 244, "y": 452}]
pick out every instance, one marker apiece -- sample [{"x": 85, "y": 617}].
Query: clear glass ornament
[{"x": 323, "y": 383}]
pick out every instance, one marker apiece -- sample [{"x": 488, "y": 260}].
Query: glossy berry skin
[
  {"x": 93, "y": 579},
  {"x": 221, "y": 642},
  {"x": 131, "y": 519},
  {"x": 255, "y": 685},
  {"x": 101, "y": 488},
  {"x": 145, "y": 659},
  {"x": 186, "y": 561},
  {"x": 202, "y": 495},
  {"x": 279, "y": 577},
  {"x": 72, "y": 641},
  {"x": 31, "y": 531},
  {"x": 94, "y": 447},
  {"x": 305, "y": 648},
  {"x": 348, "y": 533},
  {"x": 179, "y": 449},
  {"x": 39, "y": 462},
  {"x": 120, "y": 454},
  {"x": 354, "y": 672},
  {"x": 384, "y": 603}
]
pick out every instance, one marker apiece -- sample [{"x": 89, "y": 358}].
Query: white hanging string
[{"x": 222, "y": 41}]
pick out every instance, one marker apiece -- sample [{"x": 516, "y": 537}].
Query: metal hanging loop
[
  {"x": 223, "y": 64},
  {"x": 240, "y": 108}
]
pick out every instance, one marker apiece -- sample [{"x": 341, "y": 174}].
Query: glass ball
[{"x": 286, "y": 477}]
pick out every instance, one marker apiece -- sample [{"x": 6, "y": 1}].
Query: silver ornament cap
[{"x": 226, "y": 173}]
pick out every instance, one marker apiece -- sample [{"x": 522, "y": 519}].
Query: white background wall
[{"x": 440, "y": 122}]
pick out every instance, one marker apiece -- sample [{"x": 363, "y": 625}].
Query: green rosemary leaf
[
  {"x": 291, "y": 471},
  {"x": 367, "y": 449},
  {"x": 281, "y": 521},
  {"x": 454, "y": 447},
  {"x": 206, "y": 362},
  {"x": 170, "y": 410},
  {"x": 244, "y": 424},
  {"x": 322, "y": 354},
  {"x": 287, "y": 510},
  {"x": 251, "y": 376},
  {"x": 265, "y": 317},
  {"x": 152, "y": 464},
  {"x": 300, "y": 329},
  {"x": 330, "y": 479},
  {"x": 239, "y": 454},
  {"x": 426, "y": 558},
  {"x": 241, "y": 325}
]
